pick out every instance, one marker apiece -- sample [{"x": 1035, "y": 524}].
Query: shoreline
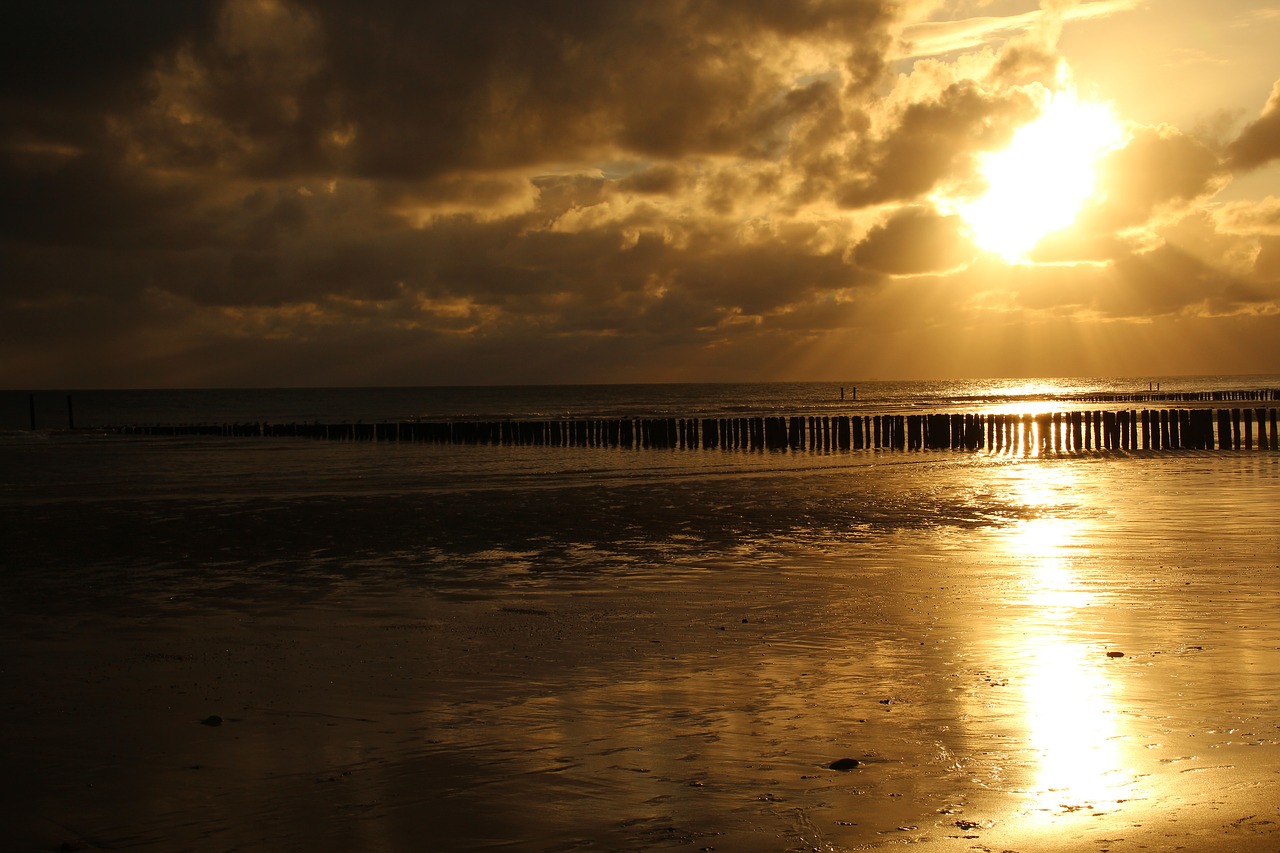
[{"x": 645, "y": 676}]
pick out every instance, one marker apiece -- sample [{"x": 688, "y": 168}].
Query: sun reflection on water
[
  {"x": 1072, "y": 728},
  {"x": 1070, "y": 705}
]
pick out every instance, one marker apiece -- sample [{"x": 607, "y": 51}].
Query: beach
[{"x": 210, "y": 646}]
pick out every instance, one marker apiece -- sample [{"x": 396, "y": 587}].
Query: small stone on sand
[
  {"x": 844, "y": 764},
  {"x": 211, "y": 720}
]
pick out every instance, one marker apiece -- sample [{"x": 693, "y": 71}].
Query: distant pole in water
[
  {"x": 31, "y": 404},
  {"x": 855, "y": 392},
  {"x": 842, "y": 393},
  {"x": 71, "y": 418}
]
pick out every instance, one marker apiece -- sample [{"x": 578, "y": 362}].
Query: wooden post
[{"x": 31, "y": 404}]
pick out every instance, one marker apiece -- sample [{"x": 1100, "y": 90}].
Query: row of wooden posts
[
  {"x": 1056, "y": 432},
  {"x": 1257, "y": 395}
]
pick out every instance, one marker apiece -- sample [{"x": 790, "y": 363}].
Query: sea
[
  {"x": 94, "y": 409},
  {"x": 538, "y": 648}
]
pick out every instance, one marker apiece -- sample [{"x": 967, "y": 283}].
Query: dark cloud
[
  {"x": 1267, "y": 262},
  {"x": 659, "y": 180},
  {"x": 1159, "y": 166},
  {"x": 396, "y": 90},
  {"x": 914, "y": 241},
  {"x": 82, "y": 199},
  {"x": 65, "y": 64},
  {"x": 271, "y": 191},
  {"x": 933, "y": 140},
  {"x": 1171, "y": 280},
  {"x": 1259, "y": 142}
]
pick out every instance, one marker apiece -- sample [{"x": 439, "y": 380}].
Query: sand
[{"x": 1076, "y": 655}]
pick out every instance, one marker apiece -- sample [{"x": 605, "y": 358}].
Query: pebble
[
  {"x": 844, "y": 764},
  {"x": 211, "y": 720},
  {"x": 1115, "y": 654}
]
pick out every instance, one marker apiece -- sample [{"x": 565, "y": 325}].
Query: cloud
[
  {"x": 1250, "y": 217},
  {"x": 406, "y": 90},
  {"x": 1259, "y": 142},
  {"x": 1159, "y": 166},
  {"x": 934, "y": 38},
  {"x": 915, "y": 241},
  {"x": 931, "y": 141},
  {"x": 271, "y": 191}
]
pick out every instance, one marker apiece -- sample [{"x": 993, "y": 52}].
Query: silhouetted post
[
  {"x": 71, "y": 418},
  {"x": 31, "y": 404}
]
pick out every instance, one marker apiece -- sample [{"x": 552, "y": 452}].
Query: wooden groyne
[
  {"x": 1251, "y": 395},
  {"x": 1124, "y": 430}
]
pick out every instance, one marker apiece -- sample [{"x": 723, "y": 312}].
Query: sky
[{"x": 394, "y": 192}]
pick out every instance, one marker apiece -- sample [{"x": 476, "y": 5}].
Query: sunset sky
[{"x": 397, "y": 192}]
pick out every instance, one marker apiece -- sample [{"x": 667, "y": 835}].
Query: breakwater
[{"x": 1239, "y": 428}]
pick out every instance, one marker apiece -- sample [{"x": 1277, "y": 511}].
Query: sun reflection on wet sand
[
  {"x": 1073, "y": 729},
  {"x": 1071, "y": 716}
]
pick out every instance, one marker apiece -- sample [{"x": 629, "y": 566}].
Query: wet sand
[{"x": 1077, "y": 655}]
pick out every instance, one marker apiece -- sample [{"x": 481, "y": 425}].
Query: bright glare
[
  {"x": 1071, "y": 714},
  {"x": 1041, "y": 181}
]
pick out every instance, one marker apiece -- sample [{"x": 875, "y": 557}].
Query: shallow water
[{"x": 509, "y": 648}]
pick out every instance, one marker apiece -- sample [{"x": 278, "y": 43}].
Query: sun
[{"x": 1041, "y": 181}]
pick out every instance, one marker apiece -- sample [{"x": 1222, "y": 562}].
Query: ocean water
[
  {"x": 97, "y": 409},
  {"x": 560, "y": 648}
]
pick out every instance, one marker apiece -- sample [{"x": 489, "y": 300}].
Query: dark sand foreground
[{"x": 1082, "y": 655}]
